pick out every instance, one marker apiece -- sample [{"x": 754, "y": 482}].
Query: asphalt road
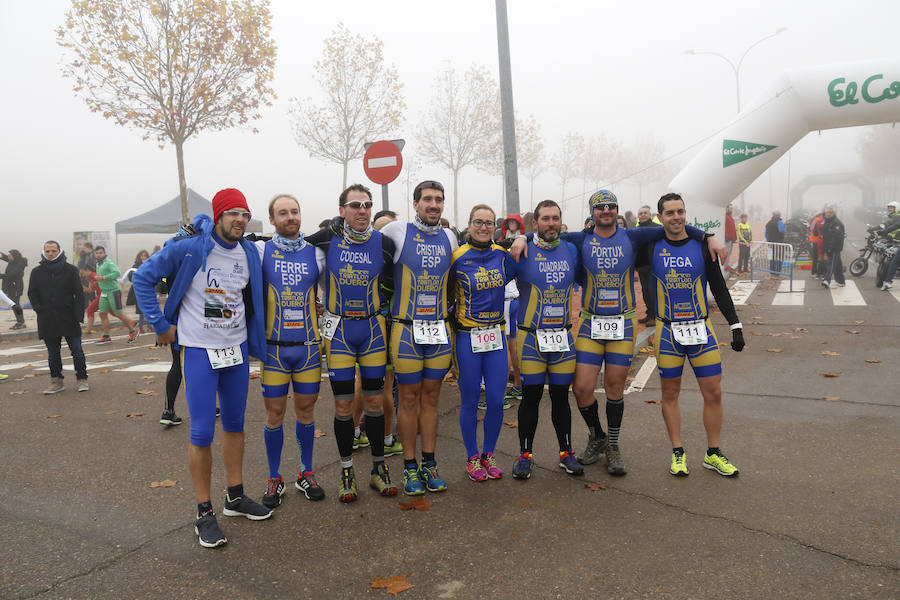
[{"x": 814, "y": 513}]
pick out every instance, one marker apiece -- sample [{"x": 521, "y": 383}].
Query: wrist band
[{"x": 737, "y": 326}]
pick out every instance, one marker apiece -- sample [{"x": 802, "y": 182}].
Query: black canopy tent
[{"x": 167, "y": 217}]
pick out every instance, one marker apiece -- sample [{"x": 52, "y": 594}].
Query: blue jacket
[{"x": 178, "y": 262}]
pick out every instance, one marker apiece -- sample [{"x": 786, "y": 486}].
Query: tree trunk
[
  {"x": 455, "y": 197},
  {"x": 182, "y": 184},
  {"x": 345, "y": 176}
]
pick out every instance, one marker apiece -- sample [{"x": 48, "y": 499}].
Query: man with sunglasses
[
  {"x": 357, "y": 280},
  {"x": 214, "y": 312},
  {"x": 291, "y": 270},
  {"x": 608, "y": 321},
  {"x": 420, "y": 348}
]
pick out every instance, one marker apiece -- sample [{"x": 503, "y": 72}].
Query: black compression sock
[
  {"x": 410, "y": 464},
  {"x": 614, "y": 411},
  {"x": 561, "y": 415},
  {"x": 528, "y": 415},
  {"x": 710, "y": 451},
  {"x": 591, "y": 418},
  {"x": 428, "y": 458},
  {"x": 343, "y": 434}
]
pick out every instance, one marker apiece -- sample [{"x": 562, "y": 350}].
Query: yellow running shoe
[
  {"x": 679, "y": 465},
  {"x": 720, "y": 464}
]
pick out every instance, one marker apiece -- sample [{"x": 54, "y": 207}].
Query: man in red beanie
[{"x": 215, "y": 312}]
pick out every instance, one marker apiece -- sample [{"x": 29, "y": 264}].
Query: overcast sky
[{"x": 587, "y": 66}]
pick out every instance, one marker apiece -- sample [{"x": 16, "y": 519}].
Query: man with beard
[
  {"x": 420, "y": 348},
  {"x": 215, "y": 313},
  {"x": 357, "y": 280},
  {"x": 291, "y": 269}
]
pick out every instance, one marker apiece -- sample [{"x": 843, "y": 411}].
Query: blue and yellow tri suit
[
  {"x": 681, "y": 270},
  {"x": 292, "y": 335},
  {"x": 356, "y": 275},
  {"x": 546, "y": 279},
  {"x": 421, "y": 266}
]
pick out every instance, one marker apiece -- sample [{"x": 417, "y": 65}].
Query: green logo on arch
[{"x": 735, "y": 151}]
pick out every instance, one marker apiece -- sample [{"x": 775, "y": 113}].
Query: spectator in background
[
  {"x": 745, "y": 236},
  {"x": 730, "y": 235},
  {"x": 131, "y": 301},
  {"x": 13, "y": 284},
  {"x": 86, "y": 260},
  {"x": 630, "y": 219},
  {"x": 55, "y": 293},
  {"x": 621, "y": 221},
  {"x": 775, "y": 230},
  {"x": 815, "y": 241},
  {"x": 110, "y": 296},
  {"x": 645, "y": 219},
  {"x": 512, "y": 227},
  {"x": 833, "y": 243}
]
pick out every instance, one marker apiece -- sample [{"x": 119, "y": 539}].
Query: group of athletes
[{"x": 407, "y": 295}]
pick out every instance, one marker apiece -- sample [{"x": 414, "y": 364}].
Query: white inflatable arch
[{"x": 797, "y": 102}]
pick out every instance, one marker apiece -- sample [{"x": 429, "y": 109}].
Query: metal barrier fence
[{"x": 773, "y": 258}]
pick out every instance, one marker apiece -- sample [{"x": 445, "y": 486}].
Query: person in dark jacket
[
  {"x": 832, "y": 244},
  {"x": 13, "y": 282},
  {"x": 55, "y": 293},
  {"x": 775, "y": 231}
]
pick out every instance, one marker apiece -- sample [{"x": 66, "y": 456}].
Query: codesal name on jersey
[
  {"x": 291, "y": 272},
  {"x": 607, "y": 256},
  {"x": 431, "y": 254}
]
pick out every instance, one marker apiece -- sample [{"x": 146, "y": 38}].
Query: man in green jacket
[{"x": 110, "y": 296}]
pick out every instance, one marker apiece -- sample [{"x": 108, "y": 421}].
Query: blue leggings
[
  {"x": 201, "y": 382},
  {"x": 473, "y": 366}
]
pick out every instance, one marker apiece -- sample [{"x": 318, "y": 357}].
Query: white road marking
[
  {"x": 100, "y": 365},
  {"x": 642, "y": 376},
  {"x": 741, "y": 291},
  {"x": 895, "y": 294},
  {"x": 785, "y": 297},
  {"x": 848, "y": 295}
]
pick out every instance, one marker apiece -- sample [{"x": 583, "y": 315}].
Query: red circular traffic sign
[{"x": 383, "y": 162}]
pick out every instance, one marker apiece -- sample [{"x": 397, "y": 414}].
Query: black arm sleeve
[
  {"x": 718, "y": 286},
  {"x": 387, "y": 273}
]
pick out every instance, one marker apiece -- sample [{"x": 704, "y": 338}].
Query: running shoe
[
  {"x": 169, "y": 418},
  {"x": 306, "y": 483},
  {"x": 207, "y": 529},
  {"x": 3, "y": 376},
  {"x": 679, "y": 465},
  {"x": 596, "y": 447},
  {"x": 615, "y": 464},
  {"x": 360, "y": 441},
  {"x": 507, "y": 404},
  {"x": 513, "y": 393},
  {"x": 720, "y": 464},
  {"x": 887, "y": 285},
  {"x": 244, "y": 506},
  {"x": 274, "y": 492},
  {"x": 132, "y": 335},
  {"x": 56, "y": 386},
  {"x": 428, "y": 473},
  {"x": 474, "y": 469},
  {"x": 489, "y": 463},
  {"x": 482, "y": 404},
  {"x": 522, "y": 468},
  {"x": 412, "y": 485},
  {"x": 380, "y": 481},
  {"x": 570, "y": 464},
  {"x": 103, "y": 339},
  {"x": 395, "y": 448},
  {"x": 18, "y": 326},
  {"x": 348, "y": 491},
  {"x": 83, "y": 385}
]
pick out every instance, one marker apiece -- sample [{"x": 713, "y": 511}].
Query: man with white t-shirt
[{"x": 214, "y": 312}]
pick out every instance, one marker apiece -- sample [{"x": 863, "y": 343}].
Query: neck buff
[
  {"x": 357, "y": 237},
  {"x": 544, "y": 244},
  {"x": 56, "y": 264},
  {"x": 479, "y": 245},
  {"x": 286, "y": 245},
  {"x": 426, "y": 228}
]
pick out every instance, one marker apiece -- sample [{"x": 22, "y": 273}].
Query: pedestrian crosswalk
[{"x": 801, "y": 292}]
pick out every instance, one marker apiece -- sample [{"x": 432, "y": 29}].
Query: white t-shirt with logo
[{"x": 212, "y": 312}]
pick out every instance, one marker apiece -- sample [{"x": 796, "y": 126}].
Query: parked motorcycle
[
  {"x": 875, "y": 244},
  {"x": 893, "y": 246}
]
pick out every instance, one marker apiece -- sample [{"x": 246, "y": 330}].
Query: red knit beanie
[{"x": 226, "y": 200}]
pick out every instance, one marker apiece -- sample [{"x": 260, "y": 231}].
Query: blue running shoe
[
  {"x": 429, "y": 475},
  {"x": 412, "y": 485},
  {"x": 522, "y": 468},
  {"x": 569, "y": 463}
]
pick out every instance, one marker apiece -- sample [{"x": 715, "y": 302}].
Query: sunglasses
[
  {"x": 234, "y": 214},
  {"x": 476, "y": 223},
  {"x": 357, "y": 205},
  {"x": 606, "y": 206}
]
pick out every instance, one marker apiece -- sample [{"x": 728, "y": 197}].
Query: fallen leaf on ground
[
  {"x": 859, "y": 322},
  {"x": 149, "y": 377},
  {"x": 801, "y": 329},
  {"x": 17, "y": 393},
  {"x": 593, "y": 485},
  {"x": 832, "y": 398},
  {"x": 111, "y": 360},
  {"x": 525, "y": 501},
  {"x": 829, "y": 353},
  {"x": 393, "y": 585},
  {"x": 873, "y": 360},
  {"x": 796, "y": 337},
  {"x": 147, "y": 393},
  {"x": 29, "y": 376},
  {"x": 318, "y": 433},
  {"x": 134, "y": 415},
  {"x": 512, "y": 424},
  {"x": 853, "y": 331},
  {"x": 163, "y": 483},
  {"x": 831, "y": 374},
  {"x": 110, "y": 412},
  {"x": 646, "y": 350},
  {"x": 124, "y": 354},
  {"x": 53, "y": 416},
  {"x": 102, "y": 370},
  {"x": 651, "y": 401},
  {"x": 151, "y": 358},
  {"x": 28, "y": 367},
  {"x": 254, "y": 375},
  {"x": 419, "y": 503},
  {"x": 723, "y": 344},
  {"x": 774, "y": 350},
  {"x": 755, "y": 333}
]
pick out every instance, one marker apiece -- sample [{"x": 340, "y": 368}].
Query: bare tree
[
  {"x": 172, "y": 68},
  {"x": 364, "y": 100},
  {"x": 530, "y": 150},
  {"x": 645, "y": 166},
  {"x": 461, "y": 114},
  {"x": 566, "y": 162}
]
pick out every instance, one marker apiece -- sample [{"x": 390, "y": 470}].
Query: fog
[{"x": 593, "y": 67}]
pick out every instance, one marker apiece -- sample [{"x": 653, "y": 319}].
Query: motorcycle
[
  {"x": 860, "y": 264},
  {"x": 892, "y": 247}
]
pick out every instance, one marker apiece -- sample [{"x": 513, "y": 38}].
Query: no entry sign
[{"x": 383, "y": 162}]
